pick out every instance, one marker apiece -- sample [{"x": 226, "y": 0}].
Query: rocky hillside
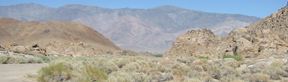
[
  {"x": 264, "y": 38},
  {"x": 195, "y": 42},
  {"x": 53, "y": 37},
  {"x": 135, "y": 29}
]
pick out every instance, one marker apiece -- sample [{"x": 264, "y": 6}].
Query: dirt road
[{"x": 16, "y": 72}]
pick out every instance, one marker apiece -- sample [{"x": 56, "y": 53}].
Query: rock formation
[
  {"x": 264, "y": 38},
  {"x": 195, "y": 43}
]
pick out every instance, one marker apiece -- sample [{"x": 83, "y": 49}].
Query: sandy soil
[{"x": 16, "y": 72}]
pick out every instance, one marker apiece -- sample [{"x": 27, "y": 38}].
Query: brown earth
[
  {"x": 58, "y": 35},
  {"x": 17, "y": 72}
]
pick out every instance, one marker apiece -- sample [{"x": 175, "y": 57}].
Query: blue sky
[{"x": 258, "y": 8}]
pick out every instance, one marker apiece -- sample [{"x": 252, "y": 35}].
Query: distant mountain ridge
[{"x": 136, "y": 29}]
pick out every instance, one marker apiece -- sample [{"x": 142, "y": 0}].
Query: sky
[{"x": 258, "y": 8}]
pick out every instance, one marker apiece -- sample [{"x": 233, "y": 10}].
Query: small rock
[
  {"x": 259, "y": 64},
  {"x": 209, "y": 61},
  {"x": 250, "y": 66},
  {"x": 285, "y": 60},
  {"x": 197, "y": 62},
  {"x": 28, "y": 56}
]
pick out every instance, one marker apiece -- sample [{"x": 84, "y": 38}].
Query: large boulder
[
  {"x": 195, "y": 43},
  {"x": 19, "y": 49}
]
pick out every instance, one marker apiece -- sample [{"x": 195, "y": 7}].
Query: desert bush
[
  {"x": 22, "y": 60},
  {"x": 192, "y": 80},
  {"x": 202, "y": 57},
  {"x": 275, "y": 71},
  {"x": 178, "y": 75},
  {"x": 198, "y": 68},
  {"x": 178, "y": 72},
  {"x": 16, "y": 52},
  {"x": 187, "y": 60},
  {"x": 230, "y": 78},
  {"x": 163, "y": 68},
  {"x": 237, "y": 57},
  {"x": 139, "y": 77},
  {"x": 32, "y": 60},
  {"x": 120, "y": 62},
  {"x": 108, "y": 67},
  {"x": 3, "y": 59},
  {"x": 39, "y": 60},
  {"x": 206, "y": 67},
  {"x": 181, "y": 66},
  {"x": 258, "y": 77},
  {"x": 119, "y": 76},
  {"x": 91, "y": 74},
  {"x": 229, "y": 64},
  {"x": 53, "y": 58},
  {"x": 54, "y": 73},
  {"x": 131, "y": 67},
  {"x": 45, "y": 58},
  {"x": 150, "y": 69},
  {"x": 12, "y": 60}
]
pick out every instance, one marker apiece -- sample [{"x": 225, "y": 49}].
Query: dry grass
[
  {"x": 154, "y": 69},
  {"x": 258, "y": 77}
]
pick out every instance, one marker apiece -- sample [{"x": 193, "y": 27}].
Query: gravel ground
[{"x": 16, "y": 72}]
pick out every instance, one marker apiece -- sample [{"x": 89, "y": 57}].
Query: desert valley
[{"x": 81, "y": 43}]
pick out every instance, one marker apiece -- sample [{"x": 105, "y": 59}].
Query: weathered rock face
[
  {"x": 194, "y": 43},
  {"x": 265, "y": 38}
]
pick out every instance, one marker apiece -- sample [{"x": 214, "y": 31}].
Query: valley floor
[{"x": 17, "y": 72}]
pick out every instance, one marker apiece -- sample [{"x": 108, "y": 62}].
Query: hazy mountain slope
[
  {"x": 156, "y": 27},
  {"x": 26, "y": 12}
]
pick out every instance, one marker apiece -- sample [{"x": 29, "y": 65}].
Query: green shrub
[
  {"x": 31, "y": 59},
  {"x": 55, "y": 72},
  {"x": 39, "y": 60},
  {"x": 275, "y": 71},
  {"x": 53, "y": 58},
  {"x": 12, "y": 60},
  {"x": 237, "y": 58},
  {"x": 45, "y": 58},
  {"x": 158, "y": 55},
  {"x": 91, "y": 74},
  {"x": 202, "y": 57},
  {"x": 16, "y": 52},
  {"x": 3, "y": 59},
  {"x": 22, "y": 60}
]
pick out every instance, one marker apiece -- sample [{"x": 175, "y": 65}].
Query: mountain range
[{"x": 152, "y": 29}]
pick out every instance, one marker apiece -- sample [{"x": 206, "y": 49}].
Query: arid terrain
[
  {"x": 152, "y": 29},
  {"x": 77, "y": 53},
  {"x": 19, "y": 72}
]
